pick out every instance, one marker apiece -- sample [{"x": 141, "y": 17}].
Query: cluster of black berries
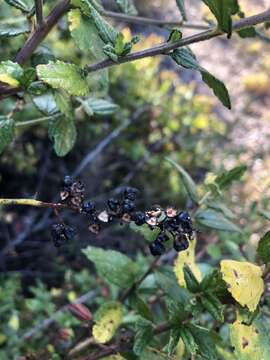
[
  {"x": 61, "y": 233},
  {"x": 171, "y": 223}
]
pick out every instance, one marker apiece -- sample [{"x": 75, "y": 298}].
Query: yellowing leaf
[
  {"x": 14, "y": 322},
  {"x": 10, "y": 73},
  {"x": 186, "y": 257},
  {"x": 108, "y": 318},
  {"x": 250, "y": 342},
  {"x": 5, "y": 78},
  {"x": 244, "y": 282},
  {"x": 74, "y": 17},
  {"x": 114, "y": 357}
]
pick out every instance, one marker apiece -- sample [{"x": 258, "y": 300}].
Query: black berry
[
  {"x": 68, "y": 181},
  {"x": 157, "y": 248},
  {"x": 130, "y": 193},
  {"x": 162, "y": 237},
  {"x": 180, "y": 243},
  {"x": 139, "y": 218},
  {"x": 70, "y": 232},
  {"x": 88, "y": 207},
  {"x": 113, "y": 204},
  {"x": 128, "y": 206}
]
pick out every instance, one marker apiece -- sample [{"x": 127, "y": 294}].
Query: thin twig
[
  {"x": 165, "y": 48},
  {"x": 32, "y": 202},
  {"x": 156, "y": 22},
  {"x": 37, "y": 121},
  {"x": 39, "y": 12}
]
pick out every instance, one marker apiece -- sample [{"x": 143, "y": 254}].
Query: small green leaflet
[
  {"x": 85, "y": 34},
  {"x": 215, "y": 220},
  {"x": 223, "y": 11},
  {"x": 63, "y": 102},
  {"x": 186, "y": 58},
  {"x": 188, "y": 182},
  {"x": 143, "y": 335},
  {"x": 227, "y": 177},
  {"x": 24, "y": 5},
  {"x": 60, "y": 75},
  {"x": 11, "y": 29},
  {"x": 127, "y": 7},
  {"x": 10, "y": 73},
  {"x": 106, "y": 32},
  {"x": 7, "y": 129},
  {"x": 263, "y": 249},
  {"x": 112, "y": 266},
  {"x": 98, "y": 106},
  {"x": 46, "y": 104},
  {"x": 63, "y": 132},
  {"x": 181, "y": 7}
]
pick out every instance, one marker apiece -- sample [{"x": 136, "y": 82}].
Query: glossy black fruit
[
  {"x": 157, "y": 248},
  {"x": 128, "y": 206},
  {"x": 113, "y": 204},
  {"x": 139, "y": 218},
  {"x": 180, "y": 243},
  {"x": 88, "y": 207},
  {"x": 130, "y": 193}
]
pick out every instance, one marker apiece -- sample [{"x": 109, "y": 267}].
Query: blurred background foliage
[{"x": 178, "y": 118}]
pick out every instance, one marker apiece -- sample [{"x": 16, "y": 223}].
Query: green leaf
[
  {"x": 99, "y": 107},
  {"x": 223, "y": 10},
  {"x": 247, "y": 33},
  {"x": 113, "y": 266},
  {"x": 215, "y": 220},
  {"x": 11, "y": 29},
  {"x": 192, "y": 283},
  {"x": 145, "y": 231},
  {"x": 181, "y": 6},
  {"x": 173, "y": 341},
  {"x": 219, "y": 206},
  {"x": 175, "y": 35},
  {"x": 107, "y": 320},
  {"x": 24, "y": 5},
  {"x": 106, "y": 32},
  {"x": 188, "y": 340},
  {"x": 187, "y": 181},
  {"x": 167, "y": 281},
  {"x": 263, "y": 249},
  {"x": 265, "y": 214},
  {"x": 137, "y": 303},
  {"x": 10, "y": 73},
  {"x": 63, "y": 103},
  {"x": 7, "y": 130},
  {"x": 205, "y": 342},
  {"x": 60, "y": 75},
  {"x": 63, "y": 132},
  {"x": 185, "y": 57},
  {"x": 226, "y": 178},
  {"x": 85, "y": 34},
  {"x": 46, "y": 103},
  {"x": 212, "y": 304},
  {"x": 127, "y": 7},
  {"x": 143, "y": 335},
  {"x": 28, "y": 77}
]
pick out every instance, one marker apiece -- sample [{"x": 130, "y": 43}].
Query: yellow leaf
[
  {"x": 114, "y": 357},
  {"x": 14, "y": 322},
  {"x": 187, "y": 257},
  {"x": 244, "y": 282},
  {"x": 7, "y": 79},
  {"x": 180, "y": 350},
  {"x": 250, "y": 342},
  {"x": 74, "y": 18},
  {"x": 108, "y": 318}
]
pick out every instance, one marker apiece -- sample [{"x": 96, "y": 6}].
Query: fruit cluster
[{"x": 172, "y": 224}]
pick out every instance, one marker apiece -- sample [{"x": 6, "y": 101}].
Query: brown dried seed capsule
[
  {"x": 64, "y": 195},
  {"x": 80, "y": 311},
  {"x": 104, "y": 216},
  {"x": 76, "y": 201},
  {"x": 94, "y": 228},
  {"x": 152, "y": 221},
  {"x": 156, "y": 212},
  {"x": 126, "y": 217},
  {"x": 171, "y": 212}
]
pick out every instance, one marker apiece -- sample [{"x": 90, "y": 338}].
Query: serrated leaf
[
  {"x": 106, "y": 32},
  {"x": 85, "y": 35},
  {"x": 10, "y": 73},
  {"x": 223, "y": 11},
  {"x": 250, "y": 342},
  {"x": 127, "y": 7},
  {"x": 113, "y": 266},
  {"x": 181, "y": 6},
  {"x": 205, "y": 342},
  {"x": 188, "y": 340},
  {"x": 145, "y": 231},
  {"x": 143, "y": 335},
  {"x": 138, "y": 304},
  {"x": 23, "y": 5},
  {"x": 63, "y": 132},
  {"x": 226, "y": 178},
  {"x": 186, "y": 58},
  {"x": 263, "y": 249},
  {"x": 188, "y": 182},
  {"x": 186, "y": 257},
  {"x": 99, "y": 107},
  {"x": 247, "y": 33},
  {"x": 11, "y": 29},
  {"x": 60, "y": 75},
  {"x": 107, "y": 320},
  {"x": 167, "y": 281},
  {"x": 63, "y": 102},
  {"x": 244, "y": 282},
  {"x": 215, "y": 220},
  {"x": 190, "y": 280},
  {"x": 7, "y": 129},
  {"x": 212, "y": 304},
  {"x": 173, "y": 341}
]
